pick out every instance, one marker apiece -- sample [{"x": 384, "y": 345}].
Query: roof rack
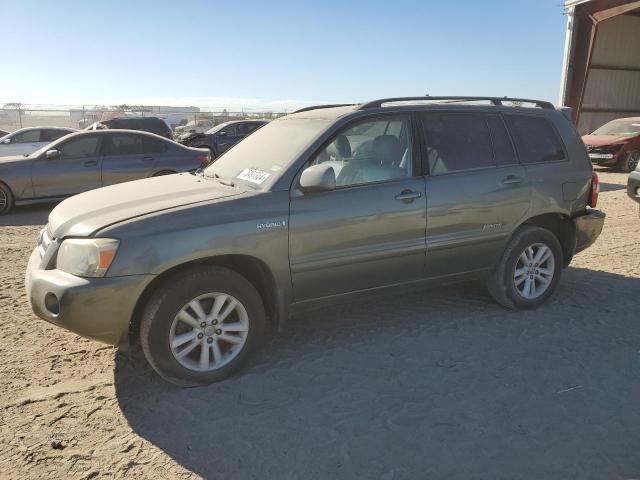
[
  {"x": 494, "y": 100},
  {"x": 316, "y": 107}
]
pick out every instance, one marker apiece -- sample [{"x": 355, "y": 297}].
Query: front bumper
[
  {"x": 95, "y": 308},
  {"x": 588, "y": 228}
]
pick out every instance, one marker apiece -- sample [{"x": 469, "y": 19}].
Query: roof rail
[
  {"x": 494, "y": 100},
  {"x": 316, "y": 107}
]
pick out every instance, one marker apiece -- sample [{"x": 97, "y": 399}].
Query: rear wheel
[
  {"x": 629, "y": 162},
  {"x": 529, "y": 270},
  {"x": 6, "y": 199},
  {"x": 202, "y": 326}
]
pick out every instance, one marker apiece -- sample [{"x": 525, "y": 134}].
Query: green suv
[{"x": 317, "y": 206}]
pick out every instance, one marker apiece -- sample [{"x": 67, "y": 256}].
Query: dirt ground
[{"x": 433, "y": 384}]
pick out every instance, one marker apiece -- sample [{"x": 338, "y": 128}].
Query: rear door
[
  {"x": 124, "y": 159},
  {"x": 369, "y": 231},
  {"x": 477, "y": 191},
  {"x": 76, "y": 170}
]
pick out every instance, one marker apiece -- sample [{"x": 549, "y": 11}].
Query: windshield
[
  {"x": 623, "y": 127},
  {"x": 217, "y": 128},
  {"x": 263, "y": 156}
]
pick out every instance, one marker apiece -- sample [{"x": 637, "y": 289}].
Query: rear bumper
[
  {"x": 633, "y": 186},
  {"x": 588, "y": 228}
]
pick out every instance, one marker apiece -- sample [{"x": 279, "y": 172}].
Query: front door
[
  {"x": 477, "y": 192},
  {"x": 77, "y": 169},
  {"x": 370, "y": 230}
]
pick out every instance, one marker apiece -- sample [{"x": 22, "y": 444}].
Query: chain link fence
[{"x": 15, "y": 116}]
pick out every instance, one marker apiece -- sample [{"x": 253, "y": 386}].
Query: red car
[{"x": 615, "y": 144}]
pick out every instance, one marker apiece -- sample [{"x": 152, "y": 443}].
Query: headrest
[{"x": 386, "y": 150}]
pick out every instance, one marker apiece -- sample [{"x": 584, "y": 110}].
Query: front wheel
[
  {"x": 201, "y": 326},
  {"x": 529, "y": 270},
  {"x": 629, "y": 162}
]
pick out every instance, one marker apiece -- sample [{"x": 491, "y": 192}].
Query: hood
[
  {"x": 604, "y": 140},
  {"x": 83, "y": 214},
  {"x": 12, "y": 158}
]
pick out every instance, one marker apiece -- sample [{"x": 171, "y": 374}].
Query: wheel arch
[
  {"x": 561, "y": 226},
  {"x": 254, "y": 270}
]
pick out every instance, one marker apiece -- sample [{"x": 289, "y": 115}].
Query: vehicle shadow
[
  {"x": 429, "y": 384},
  {"x": 611, "y": 187},
  {"x": 27, "y": 215}
]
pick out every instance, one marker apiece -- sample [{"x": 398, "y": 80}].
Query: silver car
[
  {"x": 86, "y": 160},
  {"x": 28, "y": 140}
]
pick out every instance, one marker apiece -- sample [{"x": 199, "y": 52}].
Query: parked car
[
  {"x": 199, "y": 126},
  {"x": 28, "y": 140},
  {"x": 322, "y": 205},
  {"x": 221, "y": 137},
  {"x": 616, "y": 144},
  {"x": 145, "y": 124},
  {"x": 85, "y": 160}
]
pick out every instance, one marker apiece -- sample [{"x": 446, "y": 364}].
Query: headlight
[{"x": 87, "y": 257}]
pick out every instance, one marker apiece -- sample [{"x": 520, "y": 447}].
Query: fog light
[{"x": 52, "y": 304}]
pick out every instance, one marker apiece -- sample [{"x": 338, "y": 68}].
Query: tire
[
  {"x": 163, "y": 321},
  {"x": 629, "y": 162},
  {"x": 511, "y": 291},
  {"x": 6, "y": 199}
]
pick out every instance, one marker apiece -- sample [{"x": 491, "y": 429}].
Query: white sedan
[{"x": 28, "y": 140}]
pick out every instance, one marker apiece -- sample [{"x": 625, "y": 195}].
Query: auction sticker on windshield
[{"x": 253, "y": 175}]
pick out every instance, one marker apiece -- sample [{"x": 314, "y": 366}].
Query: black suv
[
  {"x": 146, "y": 124},
  {"x": 221, "y": 137}
]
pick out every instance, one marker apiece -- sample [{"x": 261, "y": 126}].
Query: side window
[
  {"x": 251, "y": 127},
  {"x": 535, "y": 139},
  {"x": 82, "y": 147},
  {"x": 370, "y": 151},
  {"x": 30, "y": 136},
  {"x": 122, "y": 144},
  {"x": 51, "y": 135},
  {"x": 241, "y": 128},
  {"x": 230, "y": 129},
  {"x": 456, "y": 142},
  {"x": 153, "y": 145},
  {"x": 502, "y": 146}
]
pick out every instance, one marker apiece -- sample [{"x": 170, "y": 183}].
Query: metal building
[{"x": 601, "y": 70}]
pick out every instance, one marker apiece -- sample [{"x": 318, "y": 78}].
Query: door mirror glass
[
  {"x": 318, "y": 178},
  {"x": 52, "y": 154}
]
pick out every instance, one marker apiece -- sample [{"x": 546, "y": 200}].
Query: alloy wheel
[
  {"x": 209, "y": 332},
  {"x": 534, "y": 271}
]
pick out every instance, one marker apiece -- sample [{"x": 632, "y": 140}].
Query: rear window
[
  {"x": 502, "y": 146},
  {"x": 456, "y": 142},
  {"x": 535, "y": 139},
  {"x": 153, "y": 145}
]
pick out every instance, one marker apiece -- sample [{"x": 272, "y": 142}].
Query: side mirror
[
  {"x": 52, "y": 154},
  {"x": 318, "y": 178}
]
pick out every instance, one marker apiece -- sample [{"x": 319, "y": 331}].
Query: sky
[{"x": 276, "y": 55}]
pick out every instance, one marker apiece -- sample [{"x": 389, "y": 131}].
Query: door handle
[
  {"x": 511, "y": 180},
  {"x": 408, "y": 196},
  {"x": 90, "y": 163},
  {"x": 147, "y": 159}
]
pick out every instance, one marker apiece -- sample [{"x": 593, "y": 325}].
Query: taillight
[
  {"x": 203, "y": 158},
  {"x": 595, "y": 189}
]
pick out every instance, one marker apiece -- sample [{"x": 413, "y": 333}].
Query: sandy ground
[{"x": 433, "y": 384}]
